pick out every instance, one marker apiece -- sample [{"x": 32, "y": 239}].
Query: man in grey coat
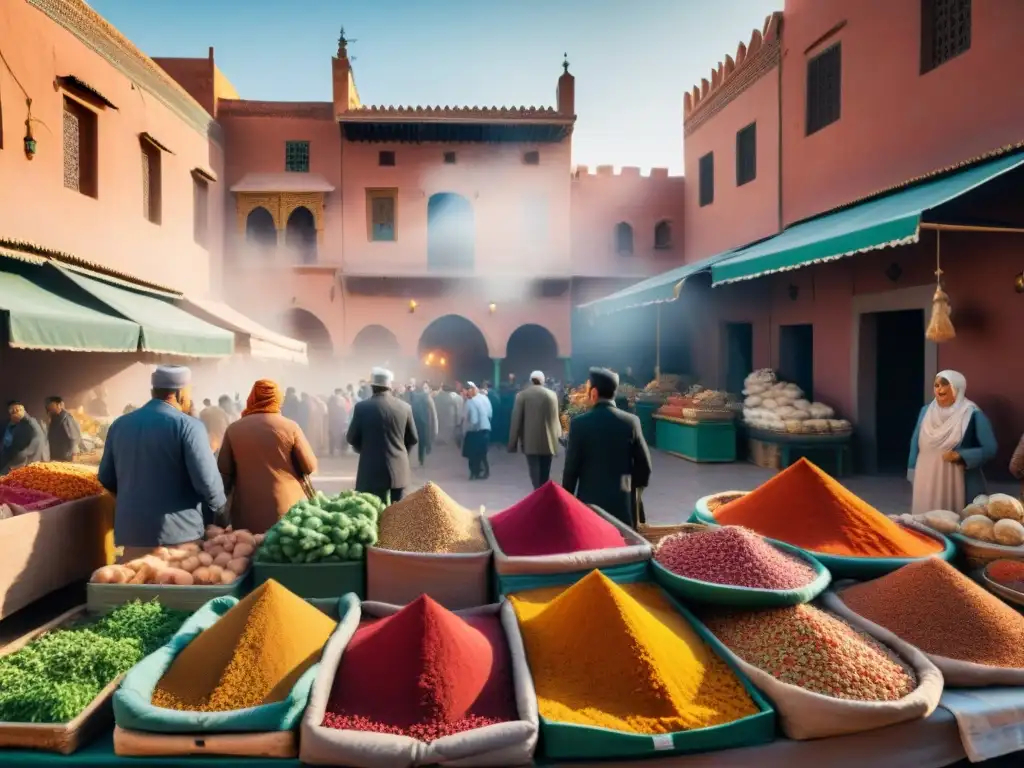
[{"x": 535, "y": 424}]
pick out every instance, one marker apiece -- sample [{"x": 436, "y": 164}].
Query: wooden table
[
  {"x": 838, "y": 445},
  {"x": 698, "y": 441}
]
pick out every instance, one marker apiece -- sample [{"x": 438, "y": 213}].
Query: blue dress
[{"x": 976, "y": 448}]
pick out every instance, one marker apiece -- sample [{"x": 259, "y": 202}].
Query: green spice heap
[{"x": 56, "y": 676}]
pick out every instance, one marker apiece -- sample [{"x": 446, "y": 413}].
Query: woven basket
[
  {"x": 978, "y": 554},
  {"x": 655, "y": 533}
]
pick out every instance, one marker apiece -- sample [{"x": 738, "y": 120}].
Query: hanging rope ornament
[{"x": 940, "y": 327}]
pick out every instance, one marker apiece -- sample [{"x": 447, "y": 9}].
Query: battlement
[
  {"x": 581, "y": 172},
  {"x": 733, "y": 76}
]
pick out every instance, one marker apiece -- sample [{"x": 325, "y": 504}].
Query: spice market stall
[
  {"x": 650, "y": 399},
  {"x": 61, "y": 531},
  {"x": 699, "y": 426}
]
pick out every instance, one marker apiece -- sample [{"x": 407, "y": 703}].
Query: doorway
[
  {"x": 898, "y": 372},
  {"x": 796, "y": 356},
  {"x": 739, "y": 355}
]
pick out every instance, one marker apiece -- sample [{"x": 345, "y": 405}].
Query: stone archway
[
  {"x": 260, "y": 231},
  {"x": 305, "y": 326},
  {"x": 531, "y": 347},
  {"x": 451, "y": 232},
  {"x": 300, "y": 236},
  {"x": 460, "y": 344},
  {"x": 374, "y": 346}
]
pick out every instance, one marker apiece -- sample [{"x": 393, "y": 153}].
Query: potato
[
  {"x": 209, "y": 545},
  {"x": 243, "y": 550},
  {"x": 244, "y": 537},
  {"x": 1004, "y": 507},
  {"x": 228, "y": 545},
  {"x": 978, "y": 527},
  {"x": 1008, "y": 532},
  {"x": 122, "y": 575},
  {"x": 259, "y": 538},
  {"x": 163, "y": 553},
  {"x": 145, "y": 575},
  {"x": 222, "y": 559},
  {"x": 205, "y": 558},
  {"x": 215, "y": 572},
  {"x": 190, "y": 546},
  {"x": 213, "y": 530},
  {"x": 166, "y": 576},
  {"x": 201, "y": 575},
  {"x": 214, "y": 551},
  {"x": 189, "y": 564},
  {"x": 104, "y": 575},
  {"x": 177, "y": 577},
  {"x": 238, "y": 566},
  {"x": 221, "y": 540},
  {"x": 974, "y": 509},
  {"x": 228, "y": 577}
]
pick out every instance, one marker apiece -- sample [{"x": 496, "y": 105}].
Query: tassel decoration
[{"x": 940, "y": 326}]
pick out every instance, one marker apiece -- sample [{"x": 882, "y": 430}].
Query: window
[
  {"x": 663, "y": 235},
  {"x": 623, "y": 239},
  {"x": 449, "y": 158},
  {"x": 151, "y": 186},
  {"x": 296, "y": 156},
  {"x": 79, "y": 148},
  {"x": 945, "y": 31},
  {"x": 824, "y": 88},
  {"x": 746, "y": 155},
  {"x": 200, "y": 209},
  {"x": 381, "y": 207},
  {"x": 706, "y": 179},
  {"x": 386, "y": 157},
  {"x": 531, "y": 158}
]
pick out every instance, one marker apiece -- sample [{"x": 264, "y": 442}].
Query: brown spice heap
[
  {"x": 430, "y": 521},
  {"x": 814, "y": 650},
  {"x": 722, "y": 499},
  {"x": 253, "y": 655},
  {"x": 935, "y": 607}
]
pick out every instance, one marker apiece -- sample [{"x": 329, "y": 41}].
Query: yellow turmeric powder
[
  {"x": 620, "y": 657},
  {"x": 253, "y": 655}
]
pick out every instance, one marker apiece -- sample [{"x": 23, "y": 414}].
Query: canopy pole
[
  {"x": 657, "y": 342},
  {"x": 970, "y": 228}
]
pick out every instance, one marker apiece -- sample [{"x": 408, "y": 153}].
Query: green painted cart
[{"x": 698, "y": 441}]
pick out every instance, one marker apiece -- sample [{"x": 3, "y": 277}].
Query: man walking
[
  {"x": 607, "y": 463},
  {"x": 535, "y": 424},
  {"x": 477, "y": 435},
  {"x": 382, "y": 432},
  {"x": 63, "y": 433},
  {"x": 337, "y": 422}
]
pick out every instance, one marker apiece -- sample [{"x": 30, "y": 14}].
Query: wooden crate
[
  {"x": 47, "y": 550},
  {"x": 64, "y": 738},
  {"x": 274, "y": 744},
  {"x": 103, "y": 598},
  {"x": 764, "y": 455}
]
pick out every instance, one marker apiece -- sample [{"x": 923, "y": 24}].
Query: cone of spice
[
  {"x": 620, "y": 657},
  {"x": 805, "y": 507},
  {"x": 932, "y": 605},
  {"x": 254, "y": 654},
  {"x": 424, "y": 672},
  {"x": 551, "y": 521},
  {"x": 429, "y": 521}
]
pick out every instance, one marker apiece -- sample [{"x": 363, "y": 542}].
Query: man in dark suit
[
  {"x": 607, "y": 463},
  {"x": 382, "y": 431},
  {"x": 535, "y": 424},
  {"x": 24, "y": 440}
]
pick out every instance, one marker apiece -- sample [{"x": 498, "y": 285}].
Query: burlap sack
[
  {"x": 505, "y": 744},
  {"x": 636, "y": 549},
  {"x": 807, "y": 715},
  {"x": 957, "y": 674}
]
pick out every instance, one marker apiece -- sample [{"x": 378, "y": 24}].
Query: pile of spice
[
  {"x": 253, "y": 655},
  {"x": 551, "y": 521},
  {"x": 814, "y": 650},
  {"x": 429, "y": 521},
  {"x": 734, "y": 556},
  {"x": 805, "y": 507},
  {"x": 620, "y": 657},
  {"x": 933, "y": 606},
  {"x": 722, "y": 499},
  {"x": 1007, "y": 573},
  {"x": 56, "y": 676},
  {"x": 60, "y": 479},
  {"x": 424, "y": 672}
]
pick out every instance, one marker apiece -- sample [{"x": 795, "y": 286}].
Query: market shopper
[
  {"x": 263, "y": 460},
  {"x": 952, "y": 441},
  {"x": 291, "y": 406},
  {"x": 424, "y": 413},
  {"x": 607, "y": 462},
  {"x": 382, "y": 431},
  {"x": 535, "y": 425},
  {"x": 337, "y": 422},
  {"x": 216, "y": 421},
  {"x": 24, "y": 441},
  {"x": 447, "y": 404},
  {"x": 158, "y": 463},
  {"x": 63, "y": 433},
  {"x": 477, "y": 432}
]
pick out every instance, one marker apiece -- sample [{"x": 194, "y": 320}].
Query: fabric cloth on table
[{"x": 990, "y": 720}]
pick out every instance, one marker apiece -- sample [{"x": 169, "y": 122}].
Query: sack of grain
[
  {"x": 753, "y": 401},
  {"x": 820, "y": 411},
  {"x": 769, "y": 404},
  {"x": 755, "y": 389},
  {"x": 785, "y": 412},
  {"x": 799, "y": 414}
]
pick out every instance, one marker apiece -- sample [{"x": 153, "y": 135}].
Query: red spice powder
[
  {"x": 1009, "y": 573},
  {"x": 551, "y": 521},
  {"x": 424, "y": 672},
  {"x": 805, "y": 507}
]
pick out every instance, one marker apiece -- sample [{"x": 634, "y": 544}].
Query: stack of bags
[{"x": 781, "y": 407}]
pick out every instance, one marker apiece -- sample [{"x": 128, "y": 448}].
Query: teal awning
[
  {"x": 40, "y": 319},
  {"x": 894, "y": 219},
  {"x": 653, "y": 290},
  {"x": 166, "y": 329}
]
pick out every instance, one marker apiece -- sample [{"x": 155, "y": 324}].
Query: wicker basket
[
  {"x": 978, "y": 554},
  {"x": 655, "y": 533}
]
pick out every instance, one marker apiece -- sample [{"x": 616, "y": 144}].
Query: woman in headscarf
[
  {"x": 952, "y": 441},
  {"x": 263, "y": 459}
]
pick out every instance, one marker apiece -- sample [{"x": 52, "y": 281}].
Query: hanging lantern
[
  {"x": 29, "y": 140},
  {"x": 940, "y": 326}
]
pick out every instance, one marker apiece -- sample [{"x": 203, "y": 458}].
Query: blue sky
[{"x": 632, "y": 60}]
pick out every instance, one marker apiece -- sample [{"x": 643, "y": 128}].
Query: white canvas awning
[{"x": 264, "y": 344}]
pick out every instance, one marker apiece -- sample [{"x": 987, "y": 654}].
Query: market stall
[{"x": 699, "y": 426}]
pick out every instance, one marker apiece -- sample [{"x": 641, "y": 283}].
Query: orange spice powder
[{"x": 805, "y": 507}]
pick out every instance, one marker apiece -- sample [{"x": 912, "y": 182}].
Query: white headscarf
[{"x": 944, "y": 428}]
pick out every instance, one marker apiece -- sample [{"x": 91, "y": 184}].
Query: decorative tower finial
[
  {"x": 565, "y": 63},
  {"x": 342, "y": 44}
]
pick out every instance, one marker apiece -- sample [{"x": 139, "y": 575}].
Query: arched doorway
[
  {"x": 531, "y": 348},
  {"x": 461, "y": 346},
  {"x": 451, "y": 232},
  {"x": 300, "y": 236},
  {"x": 374, "y": 346},
  {"x": 260, "y": 232},
  {"x": 623, "y": 239},
  {"x": 307, "y": 327}
]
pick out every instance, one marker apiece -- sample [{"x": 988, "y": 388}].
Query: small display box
[{"x": 698, "y": 441}]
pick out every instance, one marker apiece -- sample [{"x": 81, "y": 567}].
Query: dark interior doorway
[
  {"x": 899, "y": 392},
  {"x": 739, "y": 355},
  {"x": 796, "y": 356}
]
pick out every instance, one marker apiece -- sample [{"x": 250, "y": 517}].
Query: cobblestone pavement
[{"x": 675, "y": 485}]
